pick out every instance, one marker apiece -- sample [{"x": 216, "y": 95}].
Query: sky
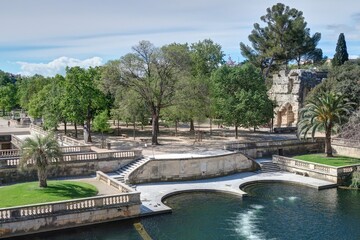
[{"x": 45, "y": 36}]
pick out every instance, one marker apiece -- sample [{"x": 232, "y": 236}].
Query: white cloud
[{"x": 57, "y": 66}]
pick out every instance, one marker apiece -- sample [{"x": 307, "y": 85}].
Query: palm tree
[
  {"x": 39, "y": 153},
  {"x": 325, "y": 112}
]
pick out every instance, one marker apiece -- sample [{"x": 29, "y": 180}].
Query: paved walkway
[{"x": 152, "y": 194}]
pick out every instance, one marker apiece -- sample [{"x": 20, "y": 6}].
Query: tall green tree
[
  {"x": 8, "y": 99},
  {"x": 28, "y": 87},
  {"x": 341, "y": 54},
  {"x": 152, "y": 73},
  {"x": 39, "y": 152},
  {"x": 285, "y": 37},
  {"x": 46, "y": 103},
  {"x": 326, "y": 112},
  {"x": 83, "y": 99},
  {"x": 241, "y": 97},
  {"x": 206, "y": 57}
]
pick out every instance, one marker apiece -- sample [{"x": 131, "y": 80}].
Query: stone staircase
[
  {"x": 268, "y": 166},
  {"x": 123, "y": 172}
]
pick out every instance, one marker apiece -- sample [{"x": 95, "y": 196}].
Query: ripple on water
[{"x": 246, "y": 223}]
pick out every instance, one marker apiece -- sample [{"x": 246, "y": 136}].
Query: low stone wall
[
  {"x": 281, "y": 147},
  {"x": 36, "y": 218},
  {"x": 191, "y": 168},
  {"x": 345, "y": 147},
  {"x": 68, "y": 149},
  {"x": 333, "y": 174},
  {"x": 72, "y": 165}
]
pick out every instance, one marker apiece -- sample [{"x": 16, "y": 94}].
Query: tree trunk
[
  {"x": 42, "y": 178},
  {"x": 236, "y": 132},
  {"x": 155, "y": 127},
  {"x": 88, "y": 122},
  {"x": 210, "y": 126},
  {"x": 176, "y": 127},
  {"x": 76, "y": 132},
  {"x": 118, "y": 127},
  {"x": 192, "y": 127},
  {"x": 268, "y": 69},
  {"x": 65, "y": 128},
  {"x": 328, "y": 149},
  {"x": 134, "y": 124}
]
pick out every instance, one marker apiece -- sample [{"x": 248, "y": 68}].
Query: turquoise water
[{"x": 271, "y": 211}]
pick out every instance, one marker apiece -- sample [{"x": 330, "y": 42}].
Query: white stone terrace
[{"x": 153, "y": 194}]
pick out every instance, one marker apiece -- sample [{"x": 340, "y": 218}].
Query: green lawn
[
  {"x": 336, "y": 161},
  {"x": 31, "y": 193}
]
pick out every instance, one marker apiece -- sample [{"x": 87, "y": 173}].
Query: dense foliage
[{"x": 284, "y": 38}]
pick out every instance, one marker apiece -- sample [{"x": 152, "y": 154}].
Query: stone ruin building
[{"x": 289, "y": 90}]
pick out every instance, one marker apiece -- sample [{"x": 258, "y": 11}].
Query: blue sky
[{"x": 45, "y": 36}]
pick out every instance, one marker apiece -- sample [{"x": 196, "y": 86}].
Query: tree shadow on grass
[{"x": 69, "y": 190}]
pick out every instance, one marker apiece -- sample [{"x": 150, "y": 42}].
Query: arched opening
[{"x": 285, "y": 116}]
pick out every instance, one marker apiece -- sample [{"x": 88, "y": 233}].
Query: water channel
[{"x": 271, "y": 211}]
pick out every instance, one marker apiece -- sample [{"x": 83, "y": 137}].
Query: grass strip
[{"x": 30, "y": 192}]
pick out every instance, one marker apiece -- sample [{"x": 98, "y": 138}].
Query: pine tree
[{"x": 341, "y": 54}]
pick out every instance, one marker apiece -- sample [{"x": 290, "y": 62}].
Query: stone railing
[
  {"x": 9, "y": 153},
  {"x": 21, "y": 213},
  {"x": 91, "y": 156},
  {"x": 71, "y": 149},
  {"x": 102, "y": 177},
  {"x": 345, "y": 142},
  {"x": 38, "y": 130},
  {"x": 304, "y": 165},
  {"x": 317, "y": 170},
  {"x": 247, "y": 145},
  {"x": 69, "y": 141}
]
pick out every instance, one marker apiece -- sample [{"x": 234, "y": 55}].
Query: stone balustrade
[
  {"x": 72, "y": 157},
  {"x": 67, "y": 207},
  {"x": 70, "y": 149},
  {"x": 266, "y": 143},
  {"x": 9, "y": 153},
  {"x": 304, "y": 165},
  {"x": 70, "y": 141},
  {"x": 102, "y": 177},
  {"x": 317, "y": 170},
  {"x": 38, "y": 130}
]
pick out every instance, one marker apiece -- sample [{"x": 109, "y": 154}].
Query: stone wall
[
  {"x": 9, "y": 171},
  {"x": 37, "y": 218},
  {"x": 344, "y": 147},
  {"x": 157, "y": 170},
  {"x": 333, "y": 174},
  {"x": 281, "y": 147},
  {"x": 289, "y": 91}
]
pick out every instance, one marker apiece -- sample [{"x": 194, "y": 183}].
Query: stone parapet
[{"x": 316, "y": 170}]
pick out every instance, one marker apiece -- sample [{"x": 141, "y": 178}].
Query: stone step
[{"x": 269, "y": 167}]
